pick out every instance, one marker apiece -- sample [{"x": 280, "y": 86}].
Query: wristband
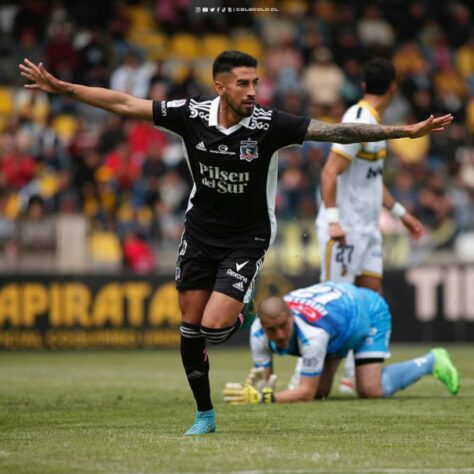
[
  {"x": 332, "y": 215},
  {"x": 267, "y": 395},
  {"x": 398, "y": 210}
]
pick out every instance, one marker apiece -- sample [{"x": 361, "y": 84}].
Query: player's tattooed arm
[
  {"x": 106, "y": 99},
  {"x": 362, "y": 132}
]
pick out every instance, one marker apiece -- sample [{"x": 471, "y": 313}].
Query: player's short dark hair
[
  {"x": 227, "y": 60},
  {"x": 379, "y": 73}
]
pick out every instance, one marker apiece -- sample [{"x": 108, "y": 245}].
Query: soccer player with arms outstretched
[{"x": 231, "y": 147}]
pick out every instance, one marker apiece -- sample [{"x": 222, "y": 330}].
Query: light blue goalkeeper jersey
[{"x": 329, "y": 319}]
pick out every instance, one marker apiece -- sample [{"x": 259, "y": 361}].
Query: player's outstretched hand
[
  {"x": 414, "y": 226},
  {"x": 431, "y": 124},
  {"x": 40, "y": 77},
  {"x": 238, "y": 394},
  {"x": 256, "y": 378}
]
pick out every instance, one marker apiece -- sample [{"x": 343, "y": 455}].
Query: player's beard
[{"x": 238, "y": 108}]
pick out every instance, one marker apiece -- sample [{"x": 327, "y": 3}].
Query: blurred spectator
[
  {"x": 61, "y": 57},
  {"x": 126, "y": 175},
  {"x": 373, "y": 29},
  {"x": 465, "y": 62},
  {"x": 121, "y": 167},
  {"x": 323, "y": 79},
  {"x": 28, "y": 46},
  {"x": 436, "y": 209},
  {"x": 93, "y": 58},
  {"x": 137, "y": 254},
  {"x": 17, "y": 166},
  {"x": 132, "y": 76},
  {"x": 32, "y": 15},
  {"x": 408, "y": 60}
]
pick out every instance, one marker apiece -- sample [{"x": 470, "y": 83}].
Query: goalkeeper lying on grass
[{"x": 320, "y": 324}]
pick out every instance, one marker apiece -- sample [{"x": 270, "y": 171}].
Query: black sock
[
  {"x": 196, "y": 364},
  {"x": 218, "y": 336}
]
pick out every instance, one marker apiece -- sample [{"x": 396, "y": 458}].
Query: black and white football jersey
[{"x": 234, "y": 170}]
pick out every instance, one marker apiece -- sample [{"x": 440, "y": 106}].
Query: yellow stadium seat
[
  {"x": 155, "y": 45},
  {"x": 65, "y": 126},
  {"x": 6, "y": 101},
  {"x": 141, "y": 18},
  {"x": 212, "y": 45},
  {"x": 293, "y": 6},
  {"x": 104, "y": 247},
  {"x": 184, "y": 46},
  {"x": 250, "y": 45}
]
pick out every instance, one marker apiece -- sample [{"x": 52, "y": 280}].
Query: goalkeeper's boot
[
  {"x": 249, "y": 312},
  {"x": 444, "y": 370},
  {"x": 204, "y": 423}
]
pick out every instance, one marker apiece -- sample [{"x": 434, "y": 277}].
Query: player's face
[
  {"x": 278, "y": 329},
  {"x": 238, "y": 89}
]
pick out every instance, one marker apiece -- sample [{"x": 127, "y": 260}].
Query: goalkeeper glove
[
  {"x": 256, "y": 378},
  {"x": 238, "y": 394}
]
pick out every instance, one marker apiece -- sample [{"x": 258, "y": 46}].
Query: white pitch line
[{"x": 389, "y": 470}]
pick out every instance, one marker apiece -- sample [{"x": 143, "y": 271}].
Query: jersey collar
[
  {"x": 365, "y": 105},
  {"x": 213, "y": 114}
]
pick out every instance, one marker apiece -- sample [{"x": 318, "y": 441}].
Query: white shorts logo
[
  {"x": 239, "y": 286},
  {"x": 239, "y": 266}
]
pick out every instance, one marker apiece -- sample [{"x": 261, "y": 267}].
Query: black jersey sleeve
[
  {"x": 170, "y": 114},
  {"x": 289, "y": 129}
]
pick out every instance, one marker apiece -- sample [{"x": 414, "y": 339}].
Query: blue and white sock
[{"x": 396, "y": 377}]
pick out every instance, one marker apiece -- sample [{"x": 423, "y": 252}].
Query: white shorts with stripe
[{"x": 362, "y": 255}]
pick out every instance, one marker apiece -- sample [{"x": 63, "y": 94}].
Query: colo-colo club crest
[{"x": 248, "y": 150}]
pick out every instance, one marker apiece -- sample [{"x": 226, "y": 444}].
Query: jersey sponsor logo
[
  {"x": 223, "y": 150},
  {"x": 201, "y": 146},
  {"x": 311, "y": 302},
  {"x": 223, "y": 181},
  {"x": 236, "y": 275},
  {"x": 164, "y": 113},
  {"x": 374, "y": 172},
  {"x": 248, "y": 150},
  {"x": 310, "y": 314},
  {"x": 259, "y": 117},
  {"x": 175, "y": 103},
  {"x": 239, "y": 286},
  {"x": 257, "y": 124}
]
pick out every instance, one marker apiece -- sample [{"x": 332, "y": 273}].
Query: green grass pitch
[{"x": 125, "y": 412}]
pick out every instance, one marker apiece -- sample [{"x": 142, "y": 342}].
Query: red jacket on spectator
[
  {"x": 138, "y": 255},
  {"x": 18, "y": 168}
]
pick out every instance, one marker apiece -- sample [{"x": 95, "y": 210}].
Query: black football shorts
[{"x": 231, "y": 271}]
